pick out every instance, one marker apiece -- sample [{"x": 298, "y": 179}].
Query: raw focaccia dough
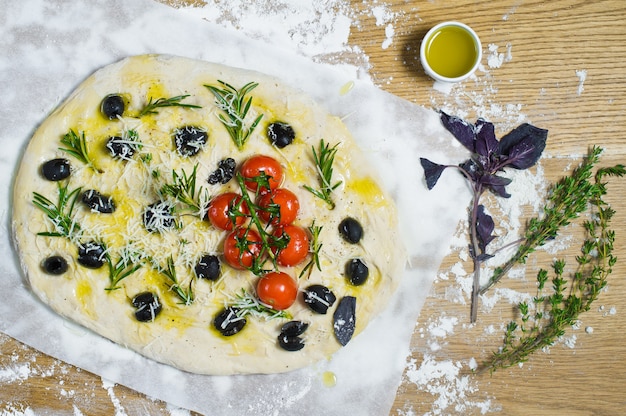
[{"x": 183, "y": 335}]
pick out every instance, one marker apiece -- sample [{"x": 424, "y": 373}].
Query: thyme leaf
[
  {"x": 151, "y": 106},
  {"x": 235, "y": 106},
  {"x": 324, "y": 158}
]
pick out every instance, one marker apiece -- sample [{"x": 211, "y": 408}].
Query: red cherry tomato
[
  {"x": 277, "y": 289},
  {"x": 241, "y": 247},
  {"x": 279, "y": 207},
  {"x": 222, "y": 208},
  {"x": 297, "y": 248},
  {"x": 257, "y": 166}
]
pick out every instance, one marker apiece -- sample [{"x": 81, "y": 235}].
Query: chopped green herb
[
  {"x": 77, "y": 147},
  {"x": 151, "y": 106},
  {"x": 324, "y": 159},
  {"x": 61, "y": 214},
  {"x": 235, "y": 105}
]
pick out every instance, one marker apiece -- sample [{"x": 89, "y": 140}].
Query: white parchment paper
[{"x": 48, "y": 47}]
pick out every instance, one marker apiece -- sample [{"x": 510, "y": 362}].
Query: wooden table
[{"x": 567, "y": 73}]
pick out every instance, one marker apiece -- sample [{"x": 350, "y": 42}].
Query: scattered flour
[
  {"x": 319, "y": 29},
  {"x": 119, "y": 409},
  {"x": 582, "y": 76},
  {"x": 495, "y": 59}
]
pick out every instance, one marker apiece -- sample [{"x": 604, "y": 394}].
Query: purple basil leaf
[
  {"x": 523, "y": 145},
  {"x": 460, "y": 129},
  {"x": 473, "y": 168},
  {"x": 484, "y": 228},
  {"x": 486, "y": 142},
  {"x": 496, "y": 184},
  {"x": 432, "y": 172},
  {"x": 484, "y": 257}
]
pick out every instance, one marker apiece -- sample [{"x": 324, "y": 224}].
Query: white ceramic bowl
[{"x": 427, "y": 43}]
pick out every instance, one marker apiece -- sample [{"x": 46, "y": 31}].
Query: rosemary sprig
[
  {"x": 183, "y": 189},
  {"x": 247, "y": 304},
  {"x": 60, "y": 215},
  {"x": 77, "y": 147},
  {"x": 129, "y": 262},
  {"x": 151, "y": 106},
  {"x": 169, "y": 271},
  {"x": 315, "y": 247},
  {"x": 546, "y": 319},
  {"x": 235, "y": 105},
  {"x": 324, "y": 159}
]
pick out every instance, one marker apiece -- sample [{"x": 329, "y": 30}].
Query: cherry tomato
[
  {"x": 297, "y": 248},
  {"x": 222, "y": 207},
  {"x": 241, "y": 247},
  {"x": 258, "y": 165},
  {"x": 277, "y": 289},
  {"x": 279, "y": 207}
]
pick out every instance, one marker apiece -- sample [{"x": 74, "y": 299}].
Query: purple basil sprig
[{"x": 519, "y": 149}]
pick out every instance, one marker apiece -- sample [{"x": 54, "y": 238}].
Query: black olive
[
  {"x": 91, "y": 255},
  {"x": 228, "y": 322},
  {"x": 289, "y": 338},
  {"x": 112, "y": 106},
  {"x": 148, "y": 306},
  {"x": 208, "y": 267},
  {"x": 56, "y": 169},
  {"x": 55, "y": 265},
  {"x": 318, "y": 298},
  {"x": 357, "y": 272},
  {"x": 290, "y": 343},
  {"x": 351, "y": 230},
  {"x": 158, "y": 217},
  {"x": 98, "y": 202},
  {"x": 280, "y": 134},
  {"x": 189, "y": 140},
  {"x": 120, "y": 147},
  {"x": 224, "y": 172},
  {"x": 294, "y": 328},
  {"x": 344, "y": 319}
]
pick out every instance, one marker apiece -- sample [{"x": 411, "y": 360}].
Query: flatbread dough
[{"x": 184, "y": 335}]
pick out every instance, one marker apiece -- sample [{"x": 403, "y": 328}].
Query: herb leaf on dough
[{"x": 235, "y": 106}]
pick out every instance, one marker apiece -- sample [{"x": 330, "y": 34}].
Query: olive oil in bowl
[{"x": 450, "y": 52}]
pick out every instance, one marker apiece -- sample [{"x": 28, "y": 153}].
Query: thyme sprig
[
  {"x": 61, "y": 214},
  {"x": 546, "y": 318},
  {"x": 324, "y": 159},
  {"x": 567, "y": 200},
  {"x": 77, "y": 147},
  {"x": 151, "y": 106},
  {"x": 235, "y": 104},
  {"x": 183, "y": 189}
]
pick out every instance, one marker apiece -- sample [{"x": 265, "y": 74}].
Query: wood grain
[{"x": 549, "y": 41}]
